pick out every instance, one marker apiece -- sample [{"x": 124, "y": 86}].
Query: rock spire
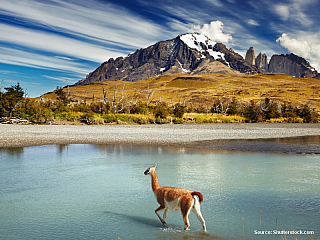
[
  {"x": 250, "y": 56},
  {"x": 262, "y": 62}
]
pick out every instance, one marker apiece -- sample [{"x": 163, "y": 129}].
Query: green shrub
[
  {"x": 178, "y": 121},
  {"x": 179, "y": 110},
  {"x": 161, "y": 111}
]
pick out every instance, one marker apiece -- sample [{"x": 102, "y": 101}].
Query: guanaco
[{"x": 175, "y": 199}]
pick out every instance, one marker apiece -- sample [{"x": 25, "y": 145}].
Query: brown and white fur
[{"x": 176, "y": 199}]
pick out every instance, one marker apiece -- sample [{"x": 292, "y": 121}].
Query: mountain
[
  {"x": 194, "y": 53},
  {"x": 290, "y": 64},
  {"x": 191, "y": 53}
]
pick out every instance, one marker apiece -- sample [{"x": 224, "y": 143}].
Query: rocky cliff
[
  {"x": 183, "y": 54},
  {"x": 291, "y": 64},
  {"x": 262, "y": 62},
  {"x": 250, "y": 56}
]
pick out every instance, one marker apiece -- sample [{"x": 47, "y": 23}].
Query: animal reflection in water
[{"x": 176, "y": 199}]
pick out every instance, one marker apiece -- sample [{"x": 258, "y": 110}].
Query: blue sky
[{"x": 44, "y": 44}]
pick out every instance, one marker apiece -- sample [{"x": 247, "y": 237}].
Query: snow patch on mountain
[
  {"x": 193, "y": 40},
  {"x": 216, "y": 55},
  {"x": 202, "y": 44}
]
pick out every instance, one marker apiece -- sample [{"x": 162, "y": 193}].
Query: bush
[
  {"x": 140, "y": 108},
  {"x": 179, "y": 110},
  {"x": 161, "y": 111},
  {"x": 178, "y": 121},
  {"x": 88, "y": 118}
]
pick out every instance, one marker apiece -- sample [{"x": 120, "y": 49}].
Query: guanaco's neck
[{"x": 154, "y": 181}]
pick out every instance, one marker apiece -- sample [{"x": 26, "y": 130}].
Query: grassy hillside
[{"x": 201, "y": 90}]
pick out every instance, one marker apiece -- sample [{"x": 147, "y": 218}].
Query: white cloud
[
  {"x": 308, "y": 49},
  {"x": 253, "y": 22},
  {"x": 283, "y": 11},
  {"x": 214, "y": 31},
  {"x": 301, "y": 48}
]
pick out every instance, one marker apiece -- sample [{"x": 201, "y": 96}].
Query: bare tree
[
  {"x": 26, "y": 96},
  {"x": 105, "y": 95},
  {"x": 224, "y": 105},
  {"x": 115, "y": 103},
  {"x": 149, "y": 95}
]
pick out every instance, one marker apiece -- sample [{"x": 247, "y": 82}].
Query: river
[{"x": 100, "y": 192}]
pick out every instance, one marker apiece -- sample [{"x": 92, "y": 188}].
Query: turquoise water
[{"x": 100, "y": 192}]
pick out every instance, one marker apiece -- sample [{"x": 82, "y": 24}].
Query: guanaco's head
[{"x": 149, "y": 170}]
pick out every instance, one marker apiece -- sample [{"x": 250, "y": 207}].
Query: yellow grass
[
  {"x": 213, "y": 118},
  {"x": 201, "y": 90}
]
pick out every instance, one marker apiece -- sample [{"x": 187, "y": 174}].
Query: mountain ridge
[
  {"x": 182, "y": 54},
  {"x": 194, "y": 53}
]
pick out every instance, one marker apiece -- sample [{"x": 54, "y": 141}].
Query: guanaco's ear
[{"x": 155, "y": 166}]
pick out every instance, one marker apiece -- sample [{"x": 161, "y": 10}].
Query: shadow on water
[
  {"x": 170, "y": 231},
  {"x": 142, "y": 220}
]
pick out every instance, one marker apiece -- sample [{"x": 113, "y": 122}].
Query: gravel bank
[{"x": 287, "y": 138}]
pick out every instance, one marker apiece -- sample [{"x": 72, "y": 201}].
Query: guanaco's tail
[{"x": 199, "y": 195}]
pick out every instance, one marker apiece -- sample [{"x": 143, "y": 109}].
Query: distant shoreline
[{"x": 253, "y": 137}]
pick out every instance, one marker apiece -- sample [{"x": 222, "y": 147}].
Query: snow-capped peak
[
  {"x": 201, "y": 43},
  {"x": 193, "y": 40}
]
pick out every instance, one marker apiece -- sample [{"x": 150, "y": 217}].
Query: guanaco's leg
[
  {"x": 185, "y": 210},
  {"x": 186, "y": 220},
  {"x": 159, "y": 209},
  {"x": 197, "y": 212},
  {"x": 165, "y": 214}
]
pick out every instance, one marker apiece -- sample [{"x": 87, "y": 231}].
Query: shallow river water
[{"x": 100, "y": 192}]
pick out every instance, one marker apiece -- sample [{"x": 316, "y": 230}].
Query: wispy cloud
[
  {"x": 216, "y": 3},
  {"x": 8, "y": 72},
  {"x": 294, "y": 11},
  {"x": 252, "y": 22},
  {"x": 55, "y": 43},
  {"x": 283, "y": 11},
  {"x": 62, "y": 79},
  {"x": 40, "y": 61},
  {"x": 58, "y": 34},
  {"x": 93, "y": 20}
]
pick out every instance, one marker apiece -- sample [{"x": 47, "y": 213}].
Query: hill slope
[{"x": 201, "y": 90}]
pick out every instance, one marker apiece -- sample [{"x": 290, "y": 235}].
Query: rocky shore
[{"x": 280, "y": 138}]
